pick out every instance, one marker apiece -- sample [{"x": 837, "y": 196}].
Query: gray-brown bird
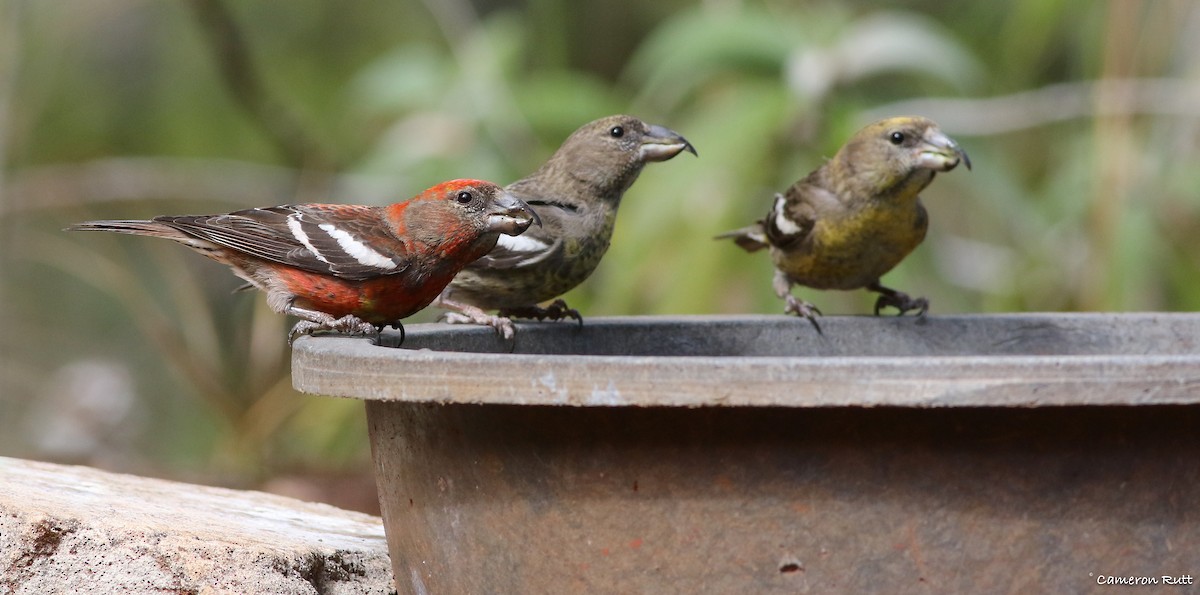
[
  {"x": 857, "y": 216},
  {"x": 576, "y": 194}
]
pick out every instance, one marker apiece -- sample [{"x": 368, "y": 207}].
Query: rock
[{"x": 77, "y": 530}]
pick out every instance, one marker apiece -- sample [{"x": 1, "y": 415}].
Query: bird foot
[
  {"x": 557, "y": 310},
  {"x": 464, "y": 313},
  {"x": 504, "y": 326},
  {"x": 348, "y": 325},
  {"x": 902, "y": 302},
  {"x": 803, "y": 309}
]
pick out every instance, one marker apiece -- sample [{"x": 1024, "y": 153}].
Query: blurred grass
[{"x": 120, "y": 109}]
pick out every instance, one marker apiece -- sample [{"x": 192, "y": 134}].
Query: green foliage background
[{"x": 1082, "y": 119}]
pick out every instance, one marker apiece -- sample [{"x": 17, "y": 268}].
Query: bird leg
[
  {"x": 464, "y": 313},
  {"x": 557, "y": 310},
  {"x": 313, "y": 321},
  {"x": 898, "y": 300},
  {"x": 803, "y": 309},
  {"x": 799, "y": 307}
]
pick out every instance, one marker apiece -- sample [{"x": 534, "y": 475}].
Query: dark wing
[
  {"x": 790, "y": 221},
  {"x": 347, "y": 241}
]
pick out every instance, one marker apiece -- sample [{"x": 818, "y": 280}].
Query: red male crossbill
[
  {"x": 576, "y": 193},
  {"x": 857, "y": 216},
  {"x": 349, "y": 268}
]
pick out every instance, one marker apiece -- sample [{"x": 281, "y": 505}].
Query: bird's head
[
  {"x": 453, "y": 207},
  {"x": 891, "y": 151},
  {"x": 912, "y": 142},
  {"x": 610, "y": 152}
]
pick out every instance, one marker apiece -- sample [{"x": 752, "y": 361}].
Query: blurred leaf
[
  {"x": 410, "y": 77},
  {"x": 878, "y": 43},
  {"x": 696, "y": 46},
  {"x": 562, "y": 100}
]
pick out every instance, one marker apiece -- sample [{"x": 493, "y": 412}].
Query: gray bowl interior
[{"x": 780, "y": 336}]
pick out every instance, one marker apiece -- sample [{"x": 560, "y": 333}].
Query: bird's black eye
[
  {"x": 616, "y": 132},
  {"x": 464, "y": 197},
  {"x": 897, "y": 138}
]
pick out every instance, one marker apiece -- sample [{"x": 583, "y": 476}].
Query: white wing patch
[
  {"x": 364, "y": 254},
  {"x": 782, "y": 222},
  {"x": 521, "y": 244},
  {"x": 293, "y": 223}
]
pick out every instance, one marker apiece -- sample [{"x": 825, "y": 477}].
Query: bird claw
[
  {"x": 902, "y": 302},
  {"x": 348, "y": 325},
  {"x": 504, "y": 326},
  {"x": 803, "y": 309},
  {"x": 304, "y": 327},
  {"x": 353, "y": 325},
  {"x": 557, "y": 310},
  {"x": 378, "y": 340}
]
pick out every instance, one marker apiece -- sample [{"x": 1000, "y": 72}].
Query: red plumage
[{"x": 348, "y": 268}]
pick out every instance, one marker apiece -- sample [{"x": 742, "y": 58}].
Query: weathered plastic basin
[{"x": 749, "y": 454}]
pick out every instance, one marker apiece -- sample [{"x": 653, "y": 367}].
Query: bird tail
[
  {"x": 154, "y": 229},
  {"x": 750, "y": 238},
  {"x": 137, "y": 227}
]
